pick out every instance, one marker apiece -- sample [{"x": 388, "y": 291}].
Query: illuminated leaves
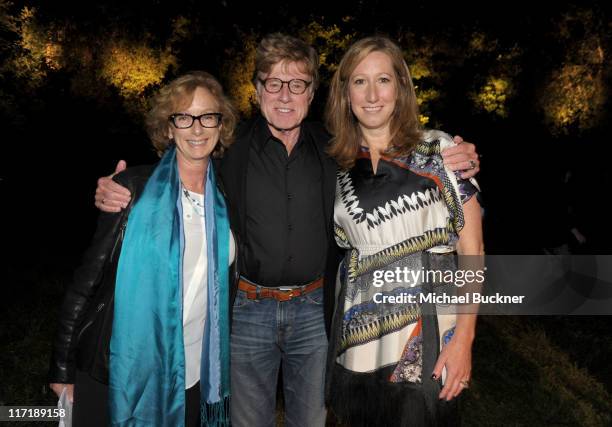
[
  {"x": 426, "y": 82},
  {"x": 8, "y": 23},
  {"x": 180, "y": 29},
  {"x": 575, "y": 94},
  {"x": 420, "y": 69},
  {"x": 480, "y": 43},
  {"x": 31, "y": 43},
  {"x": 574, "y": 97},
  {"x": 455, "y": 69},
  {"x": 331, "y": 43},
  {"x": 423, "y": 120},
  {"x": 424, "y": 98},
  {"x": 493, "y": 96},
  {"x": 115, "y": 59},
  {"x": 37, "y": 50},
  {"x": 493, "y": 90},
  {"x": 132, "y": 67},
  {"x": 238, "y": 72}
]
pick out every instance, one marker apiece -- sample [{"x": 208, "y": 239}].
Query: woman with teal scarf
[{"x": 143, "y": 338}]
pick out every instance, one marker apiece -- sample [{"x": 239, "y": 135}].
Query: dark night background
[{"x": 71, "y": 104}]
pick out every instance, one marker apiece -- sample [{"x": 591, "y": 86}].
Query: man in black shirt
[
  {"x": 280, "y": 185},
  {"x": 280, "y": 190}
]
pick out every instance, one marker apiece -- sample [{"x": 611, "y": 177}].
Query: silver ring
[{"x": 472, "y": 164}]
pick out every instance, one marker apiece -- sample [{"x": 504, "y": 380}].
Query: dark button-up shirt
[{"x": 285, "y": 243}]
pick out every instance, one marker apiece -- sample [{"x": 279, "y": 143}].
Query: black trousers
[{"x": 91, "y": 403}]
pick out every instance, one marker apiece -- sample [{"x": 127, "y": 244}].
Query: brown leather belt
[{"x": 258, "y": 292}]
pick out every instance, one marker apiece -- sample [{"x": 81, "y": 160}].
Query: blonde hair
[
  {"x": 278, "y": 47},
  {"x": 341, "y": 122},
  {"x": 178, "y": 94}
]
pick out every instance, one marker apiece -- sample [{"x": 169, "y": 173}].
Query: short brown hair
[
  {"x": 278, "y": 47},
  {"x": 178, "y": 93},
  {"x": 342, "y": 123}
]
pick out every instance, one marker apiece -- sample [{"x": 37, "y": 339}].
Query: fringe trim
[
  {"x": 370, "y": 400},
  {"x": 216, "y": 414}
]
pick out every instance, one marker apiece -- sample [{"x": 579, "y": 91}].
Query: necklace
[{"x": 197, "y": 206}]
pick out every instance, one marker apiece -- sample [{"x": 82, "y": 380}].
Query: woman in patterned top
[{"x": 395, "y": 358}]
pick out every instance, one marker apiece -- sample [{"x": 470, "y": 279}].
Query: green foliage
[
  {"x": 493, "y": 95},
  {"x": 132, "y": 67},
  {"x": 574, "y": 97},
  {"x": 29, "y": 53},
  {"x": 429, "y": 61},
  {"x": 8, "y": 23},
  {"x": 492, "y": 92},
  {"x": 119, "y": 60},
  {"x": 439, "y": 65},
  {"x": 480, "y": 43},
  {"x": 449, "y": 66},
  {"x": 180, "y": 29},
  {"x": 26, "y": 328},
  {"x": 29, "y": 60},
  {"x": 330, "y": 41},
  {"x": 238, "y": 71},
  {"x": 521, "y": 378}
]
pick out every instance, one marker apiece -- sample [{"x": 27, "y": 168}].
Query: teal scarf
[{"x": 147, "y": 360}]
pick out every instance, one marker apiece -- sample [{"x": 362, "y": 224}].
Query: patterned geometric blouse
[{"x": 395, "y": 219}]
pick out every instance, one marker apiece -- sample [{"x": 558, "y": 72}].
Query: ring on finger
[
  {"x": 465, "y": 383},
  {"x": 472, "y": 164},
  {"x": 103, "y": 200}
]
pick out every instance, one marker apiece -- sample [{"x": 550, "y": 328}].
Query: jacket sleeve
[{"x": 80, "y": 292}]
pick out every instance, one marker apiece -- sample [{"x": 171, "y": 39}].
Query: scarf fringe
[{"x": 216, "y": 414}]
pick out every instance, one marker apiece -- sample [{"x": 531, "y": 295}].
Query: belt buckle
[{"x": 289, "y": 291}]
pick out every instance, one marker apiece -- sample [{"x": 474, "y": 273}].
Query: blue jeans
[{"x": 264, "y": 333}]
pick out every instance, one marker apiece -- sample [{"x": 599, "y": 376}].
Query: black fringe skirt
[{"x": 370, "y": 400}]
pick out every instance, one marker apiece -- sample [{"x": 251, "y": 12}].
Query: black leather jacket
[{"x": 86, "y": 316}]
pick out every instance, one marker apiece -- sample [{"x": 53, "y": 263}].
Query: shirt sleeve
[{"x": 466, "y": 187}]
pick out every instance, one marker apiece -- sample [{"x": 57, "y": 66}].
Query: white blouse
[{"x": 195, "y": 283}]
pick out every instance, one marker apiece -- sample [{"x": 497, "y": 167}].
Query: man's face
[{"x": 284, "y": 110}]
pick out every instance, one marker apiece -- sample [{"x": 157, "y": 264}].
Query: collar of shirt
[{"x": 262, "y": 135}]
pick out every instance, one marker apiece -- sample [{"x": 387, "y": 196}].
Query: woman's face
[
  {"x": 373, "y": 92},
  {"x": 194, "y": 144}
]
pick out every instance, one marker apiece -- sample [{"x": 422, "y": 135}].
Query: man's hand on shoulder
[
  {"x": 462, "y": 157},
  {"x": 110, "y": 196}
]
